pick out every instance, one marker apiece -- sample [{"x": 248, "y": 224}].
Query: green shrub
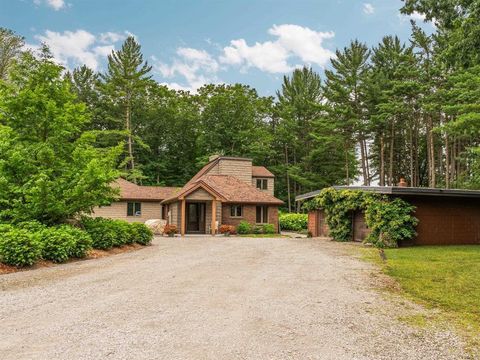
[
  {"x": 101, "y": 231},
  {"x": 18, "y": 247},
  {"x": 124, "y": 233},
  {"x": 244, "y": 228},
  {"x": 57, "y": 243},
  {"x": 83, "y": 241},
  {"x": 143, "y": 235},
  {"x": 268, "y": 229},
  {"x": 31, "y": 226},
  {"x": 257, "y": 229},
  {"x": 293, "y": 222}
]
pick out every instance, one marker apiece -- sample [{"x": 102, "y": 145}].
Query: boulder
[{"x": 156, "y": 225}]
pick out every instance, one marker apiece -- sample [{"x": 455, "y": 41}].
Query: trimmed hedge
[
  {"x": 142, "y": 233},
  {"x": 244, "y": 228},
  {"x": 24, "y": 243},
  {"x": 293, "y": 222},
  {"x": 57, "y": 243},
  {"x": 18, "y": 247}
]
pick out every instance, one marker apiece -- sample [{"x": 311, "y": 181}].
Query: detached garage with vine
[{"x": 436, "y": 216}]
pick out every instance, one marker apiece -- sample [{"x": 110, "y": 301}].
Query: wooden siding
[
  {"x": 270, "y": 184},
  {"x": 118, "y": 210},
  {"x": 241, "y": 169},
  {"x": 446, "y": 220},
  {"x": 199, "y": 194}
]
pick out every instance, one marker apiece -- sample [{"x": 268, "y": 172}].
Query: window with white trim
[{"x": 262, "y": 184}]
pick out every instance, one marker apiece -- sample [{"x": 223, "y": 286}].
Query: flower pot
[
  {"x": 171, "y": 235},
  {"x": 226, "y": 234}
]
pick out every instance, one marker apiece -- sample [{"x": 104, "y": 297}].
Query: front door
[{"x": 195, "y": 217}]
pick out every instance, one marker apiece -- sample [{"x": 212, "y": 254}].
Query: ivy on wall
[{"x": 390, "y": 220}]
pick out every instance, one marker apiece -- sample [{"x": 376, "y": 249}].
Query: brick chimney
[{"x": 402, "y": 183}]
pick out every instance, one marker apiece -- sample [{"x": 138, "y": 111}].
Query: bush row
[
  {"x": 246, "y": 228},
  {"x": 293, "y": 222},
  {"x": 25, "y": 243}
]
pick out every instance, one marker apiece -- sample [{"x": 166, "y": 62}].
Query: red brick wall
[
  {"x": 249, "y": 215},
  {"x": 312, "y": 223}
]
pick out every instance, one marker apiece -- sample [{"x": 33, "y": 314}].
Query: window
[
  {"x": 262, "y": 214},
  {"x": 134, "y": 209},
  {"x": 164, "y": 211},
  {"x": 236, "y": 210},
  {"x": 262, "y": 184}
]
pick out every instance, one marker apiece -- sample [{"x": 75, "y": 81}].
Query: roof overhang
[
  {"x": 401, "y": 191},
  {"x": 200, "y": 185}
]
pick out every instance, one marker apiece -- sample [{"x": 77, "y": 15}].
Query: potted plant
[
  {"x": 226, "y": 230},
  {"x": 170, "y": 230}
]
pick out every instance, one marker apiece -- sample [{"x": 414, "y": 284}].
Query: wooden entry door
[
  {"x": 360, "y": 229},
  {"x": 195, "y": 217}
]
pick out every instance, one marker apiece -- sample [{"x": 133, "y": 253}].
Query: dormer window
[{"x": 262, "y": 184}]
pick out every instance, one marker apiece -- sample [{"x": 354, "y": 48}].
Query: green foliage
[
  {"x": 18, "y": 247},
  {"x": 124, "y": 232},
  {"x": 50, "y": 168},
  {"x": 143, "y": 235},
  {"x": 101, "y": 231},
  {"x": 293, "y": 222},
  {"x": 244, "y": 228},
  {"x": 58, "y": 243},
  {"x": 389, "y": 220},
  {"x": 83, "y": 241},
  {"x": 268, "y": 229}
]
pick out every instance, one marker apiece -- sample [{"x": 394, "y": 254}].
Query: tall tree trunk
[
  {"x": 410, "y": 133},
  {"x": 129, "y": 137},
  {"x": 447, "y": 163},
  {"x": 363, "y": 156},
  {"x": 392, "y": 150},
  {"x": 288, "y": 180},
  {"x": 382, "y": 160},
  {"x": 347, "y": 172},
  {"x": 431, "y": 152}
]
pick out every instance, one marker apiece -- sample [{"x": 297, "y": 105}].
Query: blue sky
[{"x": 193, "y": 42}]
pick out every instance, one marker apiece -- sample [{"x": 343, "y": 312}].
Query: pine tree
[{"x": 125, "y": 81}]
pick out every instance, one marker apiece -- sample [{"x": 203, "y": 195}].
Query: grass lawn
[{"x": 447, "y": 277}]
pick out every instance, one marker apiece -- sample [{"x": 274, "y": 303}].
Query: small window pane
[
  {"x": 138, "y": 209},
  {"x": 259, "y": 214},
  {"x": 264, "y": 184},
  {"x": 236, "y": 210},
  {"x": 259, "y": 183},
  {"x": 130, "y": 209},
  {"x": 265, "y": 214}
]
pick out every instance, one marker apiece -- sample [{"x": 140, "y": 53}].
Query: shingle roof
[
  {"x": 131, "y": 191},
  {"x": 261, "y": 171},
  {"x": 231, "y": 189}
]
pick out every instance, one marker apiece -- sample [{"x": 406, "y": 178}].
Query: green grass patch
[{"x": 443, "y": 277}]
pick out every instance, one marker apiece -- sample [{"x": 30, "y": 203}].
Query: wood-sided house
[
  {"x": 446, "y": 216},
  {"x": 227, "y": 190}
]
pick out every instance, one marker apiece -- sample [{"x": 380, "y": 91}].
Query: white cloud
[
  {"x": 111, "y": 37},
  {"x": 368, "y": 8},
  {"x": 293, "y": 41},
  {"x": 74, "y": 48},
  {"x": 413, "y": 16},
  {"x": 196, "y": 67},
  {"x": 54, "y": 4}
]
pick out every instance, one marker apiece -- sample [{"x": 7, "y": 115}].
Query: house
[
  {"x": 136, "y": 203},
  {"x": 227, "y": 190},
  {"x": 446, "y": 216}
]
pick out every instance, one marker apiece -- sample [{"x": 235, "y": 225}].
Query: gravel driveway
[{"x": 212, "y": 298}]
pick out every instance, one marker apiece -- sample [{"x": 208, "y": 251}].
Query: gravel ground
[{"x": 213, "y": 298}]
